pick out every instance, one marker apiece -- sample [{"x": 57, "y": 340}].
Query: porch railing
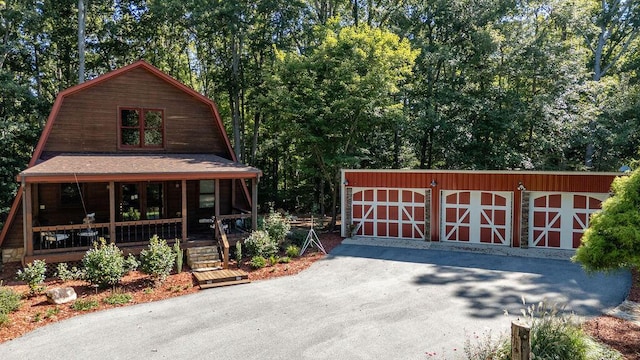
[
  {"x": 140, "y": 231},
  {"x": 223, "y": 243},
  {"x": 78, "y": 237},
  {"x": 67, "y": 237}
]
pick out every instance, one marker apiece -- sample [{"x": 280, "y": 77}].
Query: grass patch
[{"x": 117, "y": 298}]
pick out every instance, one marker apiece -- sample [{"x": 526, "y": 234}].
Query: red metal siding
[{"x": 498, "y": 181}]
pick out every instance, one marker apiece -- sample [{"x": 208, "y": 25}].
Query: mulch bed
[
  {"x": 621, "y": 335},
  {"x": 36, "y": 312}
]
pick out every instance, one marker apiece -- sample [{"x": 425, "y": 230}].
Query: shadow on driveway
[{"x": 491, "y": 284}]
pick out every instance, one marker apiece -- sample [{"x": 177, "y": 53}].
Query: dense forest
[{"x": 307, "y": 87}]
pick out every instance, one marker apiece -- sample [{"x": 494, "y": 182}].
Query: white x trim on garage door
[
  {"x": 394, "y": 213},
  {"x": 558, "y": 220},
  {"x": 476, "y": 217}
]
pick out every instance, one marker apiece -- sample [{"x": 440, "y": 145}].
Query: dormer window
[{"x": 141, "y": 128}]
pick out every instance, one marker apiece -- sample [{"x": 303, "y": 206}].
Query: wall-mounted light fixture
[
  {"x": 177, "y": 185},
  {"x": 434, "y": 183},
  {"x": 521, "y": 186},
  {"x": 345, "y": 182}
]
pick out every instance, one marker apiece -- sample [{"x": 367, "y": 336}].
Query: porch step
[
  {"x": 223, "y": 277},
  {"x": 203, "y": 258}
]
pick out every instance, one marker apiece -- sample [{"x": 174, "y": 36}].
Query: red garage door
[
  {"x": 476, "y": 217},
  {"x": 395, "y": 213},
  {"x": 557, "y": 220}
]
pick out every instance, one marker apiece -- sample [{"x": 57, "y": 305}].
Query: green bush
[
  {"x": 292, "y": 251},
  {"x": 554, "y": 335},
  {"x": 258, "y": 262},
  {"x": 612, "y": 240},
  {"x": 297, "y": 237},
  {"x": 4, "y": 320},
  {"x": 65, "y": 274},
  {"x": 84, "y": 305},
  {"x": 179, "y": 256},
  {"x": 277, "y": 226},
  {"x": 284, "y": 260},
  {"x": 273, "y": 260},
  {"x": 130, "y": 263},
  {"x": 104, "y": 264},
  {"x": 157, "y": 260},
  {"x": 117, "y": 298},
  {"x": 33, "y": 274},
  {"x": 259, "y": 243},
  {"x": 238, "y": 253},
  {"x": 9, "y": 300}
]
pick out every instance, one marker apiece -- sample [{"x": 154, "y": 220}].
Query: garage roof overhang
[{"x": 135, "y": 167}]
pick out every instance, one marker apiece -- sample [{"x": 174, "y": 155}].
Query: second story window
[{"x": 141, "y": 128}]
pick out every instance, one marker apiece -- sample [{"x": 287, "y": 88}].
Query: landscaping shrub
[
  {"x": 9, "y": 300},
  {"x": 4, "y": 320},
  {"x": 117, "y": 298},
  {"x": 259, "y": 243},
  {"x": 33, "y": 274},
  {"x": 297, "y": 237},
  {"x": 258, "y": 262},
  {"x": 65, "y": 274},
  {"x": 238, "y": 253},
  {"x": 554, "y": 335},
  {"x": 277, "y": 226},
  {"x": 84, "y": 305},
  {"x": 157, "y": 260},
  {"x": 273, "y": 260},
  {"x": 292, "y": 251},
  {"x": 179, "y": 256},
  {"x": 130, "y": 263},
  {"x": 104, "y": 264},
  {"x": 284, "y": 260}
]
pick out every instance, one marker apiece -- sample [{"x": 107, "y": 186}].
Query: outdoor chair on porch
[
  {"x": 49, "y": 238},
  {"x": 89, "y": 234}
]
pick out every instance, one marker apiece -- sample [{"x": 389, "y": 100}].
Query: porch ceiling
[{"x": 136, "y": 167}]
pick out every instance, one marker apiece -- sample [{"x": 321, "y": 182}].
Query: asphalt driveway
[{"x": 361, "y": 302}]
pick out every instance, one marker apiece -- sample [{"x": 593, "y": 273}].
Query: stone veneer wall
[
  {"x": 427, "y": 215},
  {"x": 348, "y": 220},
  {"x": 524, "y": 228},
  {"x": 12, "y": 255}
]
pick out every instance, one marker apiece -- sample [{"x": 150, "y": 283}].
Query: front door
[{"x": 141, "y": 201}]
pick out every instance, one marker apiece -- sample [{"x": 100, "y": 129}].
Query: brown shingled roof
[{"x": 136, "y": 167}]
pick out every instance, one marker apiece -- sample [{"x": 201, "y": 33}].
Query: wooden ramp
[{"x": 224, "y": 277}]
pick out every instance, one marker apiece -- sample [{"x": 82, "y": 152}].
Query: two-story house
[{"x": 124, "y": 156}]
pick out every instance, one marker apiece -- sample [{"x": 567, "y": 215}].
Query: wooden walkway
[{"x": 224, "y": 277}]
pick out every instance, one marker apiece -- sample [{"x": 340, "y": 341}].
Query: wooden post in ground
[{"x": 520, "y": 341}]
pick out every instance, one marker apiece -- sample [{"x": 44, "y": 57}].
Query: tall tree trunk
[
  {"x": 235, "y": 96},
  {"x": 81, "y": 37},
  {"x": 254, "y": 139}
]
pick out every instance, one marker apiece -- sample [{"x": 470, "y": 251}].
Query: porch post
[
  {"x": 112, "y": 211},
  {"x": 233, "y": 193},
  {"x": 184, "y": 210},
  {"x": 254, "y": 203},
  {"x": 27, "y": 208},
  {"x": 216, "y": 202}
]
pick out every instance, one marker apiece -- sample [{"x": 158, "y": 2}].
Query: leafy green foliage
[
  {"x": 84, "y": 305},
  {"x": 554, "y": 335},
  {"x": 117, "y": 298},
  {"x": 179, "y": 256},
  {"x": 34, "y": 275},
  {"x": 9, "y": 301},
  {"x": 292, "y": 251},
  {"x": 284, "y": 260},
  {"x": 258, "y": 262},
  {"x": 238, "y": 253},
  {"x": 65, "y": 274},
  {"x": 157, "y": 260},
  {"x": 612, "y": 240},
  {"x": 104, "y": 264},
  {"x": 277, "y": 226},
  {"x": 259, "y": 243}
]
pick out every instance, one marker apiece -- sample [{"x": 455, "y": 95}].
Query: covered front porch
[{"x": 66, "y": 210}]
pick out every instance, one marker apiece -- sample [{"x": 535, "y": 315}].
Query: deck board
[{"x": 222, "y": 277}]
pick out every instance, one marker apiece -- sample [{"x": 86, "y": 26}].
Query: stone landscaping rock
[{"x": 61, "y": 295}]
